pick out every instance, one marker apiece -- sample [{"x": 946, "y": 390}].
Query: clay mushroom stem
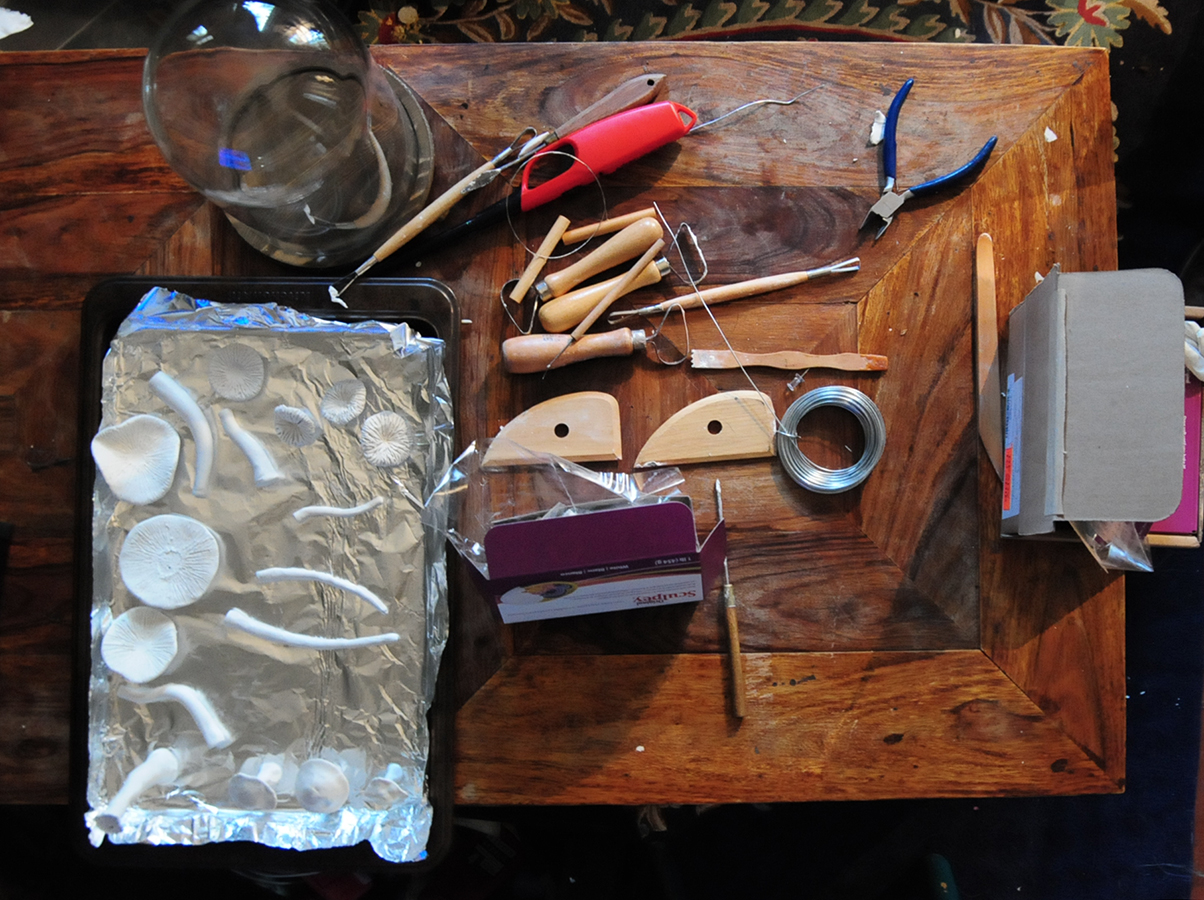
[
  {"x": 263, "y": 467},
  {"x": 177, "y": 397},
  {"x": 236, "y": 618},
  {"x": 291, "y": 573},
  {"x": 258, "y": 791},
  {"x": 162, "y": 766},
  {"x": 215, "y": 733}
]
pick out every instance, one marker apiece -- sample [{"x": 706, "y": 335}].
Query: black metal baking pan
[{"x": 430, "y": 308}]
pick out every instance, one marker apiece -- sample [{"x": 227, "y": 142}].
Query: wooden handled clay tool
[
  {"x": 739, "y": 290},
  {"x": 541, "y": 257},
  {"x": 627, "y": 244},
  {"x": 733, "y": 630},
  {"x": 564, "y": 312},
  {"x": 620, "y": 288},
  {"x": 607, "y": 226},
  {"x": 537, "y": 352},
  {"x": 432, "y": 212},
  {"x": 634, "y": 92},
  {"x": 787, "y": 359}
]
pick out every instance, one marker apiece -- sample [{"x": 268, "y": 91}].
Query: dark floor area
[{"x": 1135, "y": 846}]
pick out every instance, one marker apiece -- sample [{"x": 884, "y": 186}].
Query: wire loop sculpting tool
[{"x": 883, "y": 212}]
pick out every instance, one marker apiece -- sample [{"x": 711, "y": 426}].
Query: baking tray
[{"x": 430, "y": 308}]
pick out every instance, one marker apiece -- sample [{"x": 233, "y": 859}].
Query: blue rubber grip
[
  {"x": 935, "y": 184},
  {"x": 890, "y": 145}
]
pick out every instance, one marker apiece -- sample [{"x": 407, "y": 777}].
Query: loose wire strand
[
  {"x": 751, "y": 104},
  {"x": 522, "y": 243}
]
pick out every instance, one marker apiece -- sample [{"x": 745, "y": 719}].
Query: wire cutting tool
[{"x": 888, "y": 204}]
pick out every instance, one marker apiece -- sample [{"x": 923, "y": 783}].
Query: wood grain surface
[{"x": 894, "y": 644}]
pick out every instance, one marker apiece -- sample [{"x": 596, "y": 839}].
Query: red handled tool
[{"x": 574, "y": 161}]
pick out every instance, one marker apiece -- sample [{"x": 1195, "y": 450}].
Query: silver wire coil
[{"x": 818, "y": 478}]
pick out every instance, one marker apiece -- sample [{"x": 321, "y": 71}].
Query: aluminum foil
[{"x": 364, "y": 709}]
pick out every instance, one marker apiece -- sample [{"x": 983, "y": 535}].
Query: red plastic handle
[{"x": 602, "y": 147}]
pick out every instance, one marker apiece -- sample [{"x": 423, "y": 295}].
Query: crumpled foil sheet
[{"x": 363, "y": 708}]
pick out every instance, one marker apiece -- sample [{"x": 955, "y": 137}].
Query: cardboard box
[
  {"x": 611, "y": 559},
  {"x": 1093, "y": 423}
]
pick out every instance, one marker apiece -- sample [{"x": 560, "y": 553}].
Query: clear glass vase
[{"x": 276, "y": 112}]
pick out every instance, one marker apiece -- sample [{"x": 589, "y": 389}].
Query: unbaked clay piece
[
  {"x": 162, "y": 766},
  {"x": 212, "y": 729},
  {"x": 169, "y": 561},
  {"x": 384, "y": 791},
  {"x": 344, "y": 401},
  {"x": 236, "y": 372},
  {"x": 295, "y": 426},
  {"x": 386, "y": 439},
  {"x": 140, "y": 644},
  {"x": 258, "y": 791},
  {"x": 321, "y": 786},
  {"x": 178, "y": 398},
  {"x": 138, "y": 458},
  {"x": 263, "y": 467},
  {"x": 242, "y": 621},
  {"x": 297, "y": 573}
]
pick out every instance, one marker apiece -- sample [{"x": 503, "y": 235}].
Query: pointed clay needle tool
[
  {"x": 728, "y": 594},
  {"x": 738, "y": 291},
  {"x": 411, "y": 229},
  {"x": 787, "y": 359}
]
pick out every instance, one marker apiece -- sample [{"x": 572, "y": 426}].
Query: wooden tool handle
[
  {"x": 607, "y": 226},
  {"x": 633, "y": 92},
  {"x": 432, "y": 213},
  {"x": 738, "y": 291},
  {"x": 564, "y": 312},
  {"x": 618, "y": 290},
  {"x": 533, "y": 352},
  {"x": 541, "y": 256},
  {"x": 627, "y": 244},
  {"x": 733, "y": 645},
  {"x": 788, "y": 359}
]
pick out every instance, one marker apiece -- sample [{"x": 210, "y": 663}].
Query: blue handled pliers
[{"x": 888, "y": 204}]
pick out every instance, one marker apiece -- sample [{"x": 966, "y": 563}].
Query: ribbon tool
[{"x": 888, "y": 204}]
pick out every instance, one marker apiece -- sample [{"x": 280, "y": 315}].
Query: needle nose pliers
[{"x": 888, "y": 204}]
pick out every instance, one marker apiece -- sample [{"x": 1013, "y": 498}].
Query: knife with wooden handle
[
  {"x": 787, "y": 359},
  {"x": 986, "y": 333}
]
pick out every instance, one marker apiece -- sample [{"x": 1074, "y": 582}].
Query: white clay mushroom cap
[
  {"x": 236, "y": 372},
  {"x": 169, "y": 561},
  {"x": 138, "y": 458},
  {"x": 295, "y": 426},
  {"x": 344, "y": 401},
  {"x": 381, "y": 793},
  {"x": 321, "y": 786},
  {"x": 140, "y": 644},
  {"x": 251, "y": 792},
  {"x": 386, "y": 439}
]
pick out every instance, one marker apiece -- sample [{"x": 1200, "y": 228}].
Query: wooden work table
[{"x": 894, "y": 645}]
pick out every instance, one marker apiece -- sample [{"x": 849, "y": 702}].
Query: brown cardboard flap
[{"x": 1095, "y": 408}]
